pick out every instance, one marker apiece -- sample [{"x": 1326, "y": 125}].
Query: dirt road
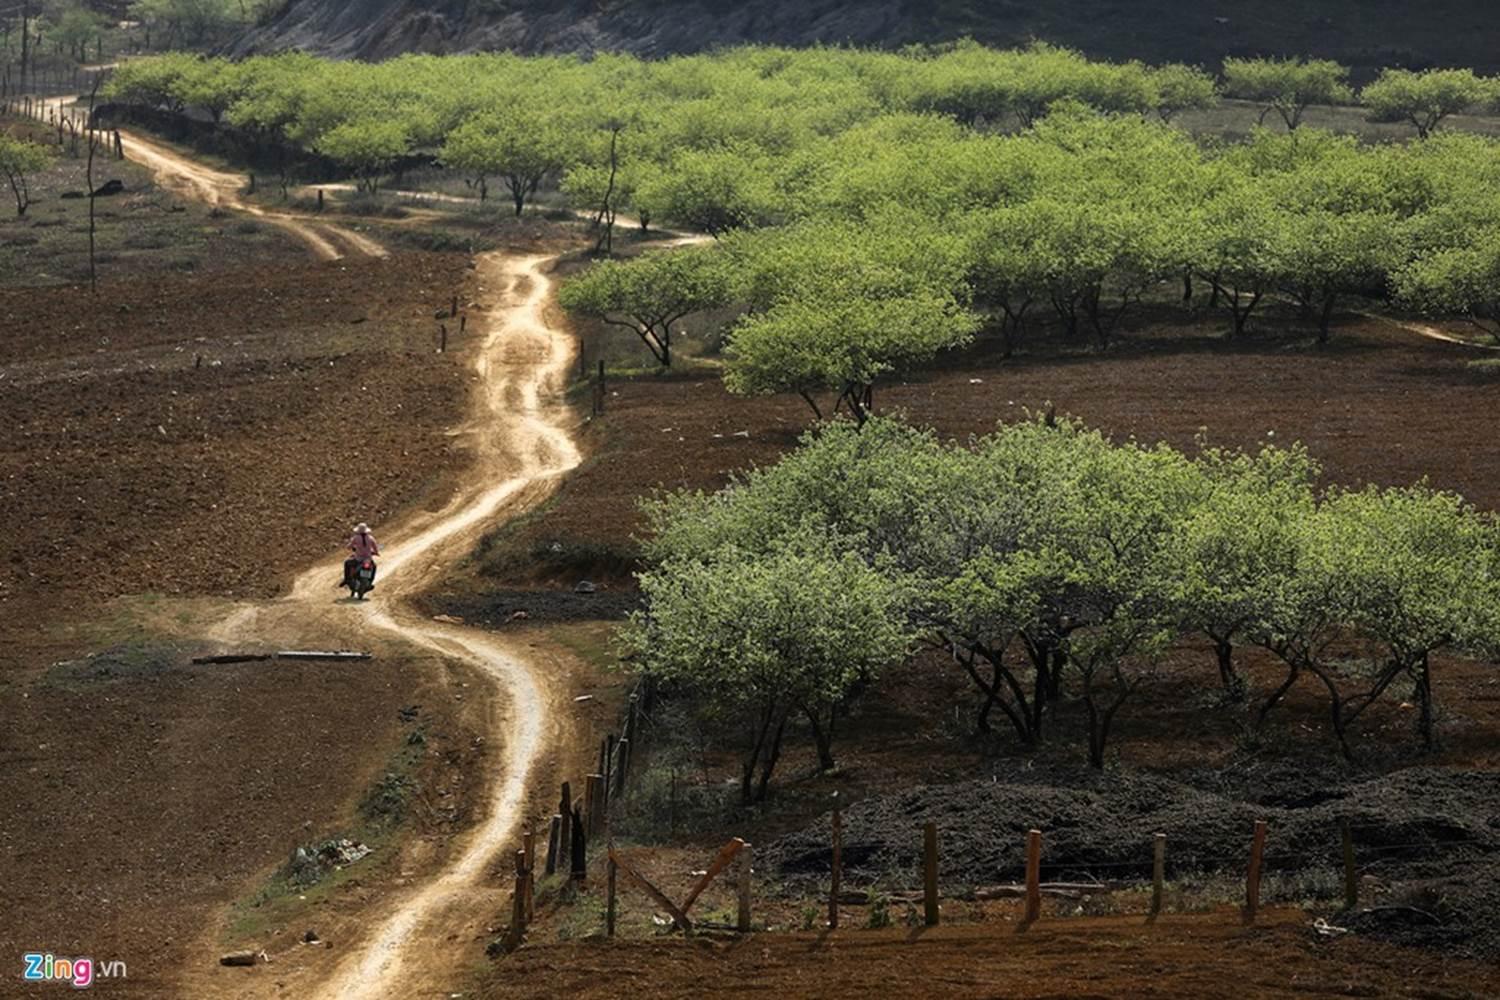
[
  {"x": 521, "y": 447},
  {"x": 190, "y": 179}
]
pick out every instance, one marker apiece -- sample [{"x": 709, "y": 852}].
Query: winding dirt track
[
  {"x": 521, "y": 446},
  {"x": 326, "y": 240}
]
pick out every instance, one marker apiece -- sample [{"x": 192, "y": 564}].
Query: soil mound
[{"x": 1434, "y": 831}]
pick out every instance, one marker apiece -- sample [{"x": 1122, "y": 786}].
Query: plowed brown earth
[
  {"x": 1378, "y": 404},
  {"x": 208, "y": 434},
  {"x": 203, "y": 435},
  {"x": 1191, "y": 957},
  {"x": 142, "y": 799}
]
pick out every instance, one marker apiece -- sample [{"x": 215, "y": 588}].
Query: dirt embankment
[{"x": 1365, "y": 33}]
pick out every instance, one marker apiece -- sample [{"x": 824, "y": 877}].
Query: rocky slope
[{"x": 1364, "y": 33}]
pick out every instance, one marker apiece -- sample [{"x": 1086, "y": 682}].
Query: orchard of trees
[
  {"x": 871, "y": 209},
  {"x": 1046, "y": 562},
  {"x": 864, "y": 211}
]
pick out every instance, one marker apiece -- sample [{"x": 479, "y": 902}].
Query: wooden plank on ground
[
  {"x": 726, "y": 855},
  {"x": 678, "y": 917}
]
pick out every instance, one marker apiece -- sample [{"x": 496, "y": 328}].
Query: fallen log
[
  {"x": 1069, "y": 890},
  {"x": 319, "y": 654},
  {"x": 234, "y": 658},
  {"x": 1064, "y": 890}
]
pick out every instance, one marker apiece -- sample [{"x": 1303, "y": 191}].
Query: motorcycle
[{"x": 362, "y": 580}]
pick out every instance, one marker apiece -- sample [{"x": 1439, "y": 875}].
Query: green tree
[
  {"x": 76, "y": 28},
  {"x": 836, "y": 307},
  {"x": 153, "y": 81},
  {"x": 1461, "y": 280},
  {"x": 1425, "y": 98},
  {"x": 651, "y": 293},
  {"x": 20, "y": 158},
  {"x": 712, "y": 191},
  {"x": 191, "y": 22},
  {"x": 1238, "y": 540},
  {"x": 751, "y": 641},
  {"x": 1178, "y": 88},
  {"x": 1416, "y": 576},
  {"x": 1287, "y": 86},
  {"x": 210, "y": 84},
  {"x": 520, "y": 145},
  {"x": 368, "y": 147}
]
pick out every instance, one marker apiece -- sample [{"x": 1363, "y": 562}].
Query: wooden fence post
[
  {"x": 622, "y": 764},
  {"x": 1351, "y": 877},
  {"x": 596, "y": 804},
  {"x": 580, "y": 848},
  {"x": 554, "y": 838},
  {"x": 528, "y": 845},
  {"x": 1033, "y": 875},
  {"x": 609, "y": 899},
  {"x": 1252, "y": 880},
  {"x": 838, "y": 865},
  {"x": 606, "y": 768},
  {"x": 743, "y": 923},
  {"x": 518, "y": 902},
  {"x": 565, "y": 834},
  {"x": 1158, "y": 871},
  {"x": 930, "y": 873}
]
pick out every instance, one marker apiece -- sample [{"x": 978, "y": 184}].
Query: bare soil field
[
  {"x": 148, "y": 796},
  {"x": 145, "y": 423},
  {"x": 1377, "y": 404},
  {"x": 1188, "y": 957}
]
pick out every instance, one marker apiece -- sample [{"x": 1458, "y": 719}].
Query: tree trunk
[
  {"x": 1326, "y": 316},
  {"x": 1277, "y": 695},
  {"x": 1224, "y": 651},
  {"x": 1424, "y": 703},
  {"x": 822, "y": 737},
  {"x": 772, "y": 756},
  {"x": 747, "y": 767}
]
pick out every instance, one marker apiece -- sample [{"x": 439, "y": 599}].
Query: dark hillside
[{"x": 1362, "y": 33}]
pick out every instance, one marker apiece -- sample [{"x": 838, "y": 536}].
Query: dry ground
[
  {"x": 1377, "y": 404},
  {"x": 144, "y": 232},
  {"x": 207, "y": 434},
  {"x": 1189, "y": 958}
]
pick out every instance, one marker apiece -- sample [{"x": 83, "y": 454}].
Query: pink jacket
[{"x": 363, "y": 546}]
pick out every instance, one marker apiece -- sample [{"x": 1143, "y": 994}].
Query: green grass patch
[{"x": 303, "y": 882}]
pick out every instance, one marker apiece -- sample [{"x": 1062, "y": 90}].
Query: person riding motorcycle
[{"x": 363, "y": 546}]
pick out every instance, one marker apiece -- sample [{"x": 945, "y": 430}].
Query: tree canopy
[{"x": 1050, "y": 564}]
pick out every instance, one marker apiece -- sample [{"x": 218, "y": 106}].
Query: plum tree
[
  {"x": 368, "y": 147},
  {"x": 650, "y": 293},
  {"x": 521, "y": 145},
  {"x": 20, "y": 158},
  {"x": 1425, "y": 98},
  {"x": 751, "y": 641},
  {"x": 1287, "y": 86}
]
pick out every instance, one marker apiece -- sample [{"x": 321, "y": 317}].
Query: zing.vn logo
[{"x": 78, "y": 972}]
